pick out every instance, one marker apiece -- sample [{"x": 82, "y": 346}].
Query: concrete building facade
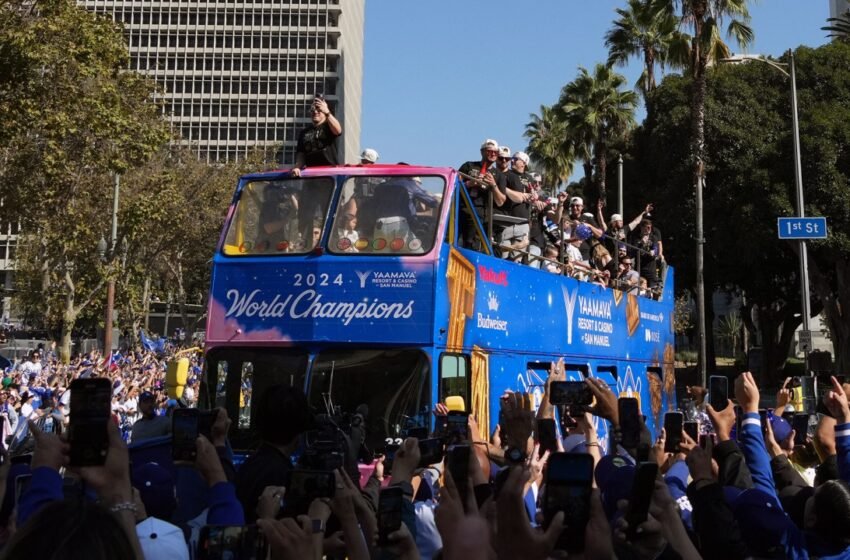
[{"x": 238, "y": 74}]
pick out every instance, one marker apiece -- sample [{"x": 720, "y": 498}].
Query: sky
[{"x": 440, "y": 76}]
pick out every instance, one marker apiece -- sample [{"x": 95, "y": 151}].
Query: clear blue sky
[{"x": 440, "y": 76}]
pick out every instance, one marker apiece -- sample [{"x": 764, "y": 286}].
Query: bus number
[{"x": 310, "y": 280}]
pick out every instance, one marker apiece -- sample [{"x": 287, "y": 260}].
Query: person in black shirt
[
  {"x": 648, "y": 240},
  {"x": 518, "y": 204},
  {"x": 577, "y": 215},
  {"x": 483, "y": 183},
  {"x": 317, "y": 142},
  {"x": 282, "y": 415}
]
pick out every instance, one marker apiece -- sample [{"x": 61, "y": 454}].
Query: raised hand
[
  {"x": 606, "y": 401},
  {"x": 783, "y": 396},
  {"x": 836, "y": 401},
  {"x": 747, "y": 392},
  {"x": 722, "y": 421}
]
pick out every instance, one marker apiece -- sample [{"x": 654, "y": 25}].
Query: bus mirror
[{"x": 455, "y": 403}]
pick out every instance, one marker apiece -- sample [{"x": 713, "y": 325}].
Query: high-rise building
[
  {"x": 238, "y": 74},
  {"x": 838, "y": 7}
]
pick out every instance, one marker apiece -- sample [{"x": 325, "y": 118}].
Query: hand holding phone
[
  {"x": 569, "y": 481},
  {"x": 718, "y": 392},
  {"x": 390, "y": 503},
  {"x": 641, "y": 496},
  {"x": 630, "y": 423},
  {"x": 547, "y": 435},
  {"x": 575, "y": 395},
  {"x": 220, "y": 542}
]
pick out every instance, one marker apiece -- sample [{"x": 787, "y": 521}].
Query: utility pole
[
  {"x": 110, "y": 286},
  {"x": 620, "y": 185},
  {"x": 703, "y": 366}
]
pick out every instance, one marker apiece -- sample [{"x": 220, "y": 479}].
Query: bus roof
[{"x": 371, "y": 169}]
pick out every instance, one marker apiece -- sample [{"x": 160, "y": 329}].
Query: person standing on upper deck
[
  {"x": 317, "y": 142},
  {"x": 484, "y": 180}
]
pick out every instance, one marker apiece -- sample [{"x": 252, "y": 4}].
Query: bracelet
[
  {"x": 124, "y": 506},
  {"x": 591, "y": 444}
]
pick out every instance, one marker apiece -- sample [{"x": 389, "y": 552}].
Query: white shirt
[{"x": 26, "y": 410}]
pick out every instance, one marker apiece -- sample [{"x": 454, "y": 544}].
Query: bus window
[
  {"x": 246, "y": 383},
  {"x": 279, "y": 217},
  {"x": 221, "y": 378},
  {"x": 392, "y": 384},
  {"x": 454, "y": 376},
  {"x": 608, "y": 374},
  {"x": 577, "y": 372},
  {"x": 391, "y": 214}
]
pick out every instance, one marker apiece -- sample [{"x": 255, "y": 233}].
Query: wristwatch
[{"x": 515, "y": 455}]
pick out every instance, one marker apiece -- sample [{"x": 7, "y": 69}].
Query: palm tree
[
  {"x": 546, "y": 135},
  {"x": 707, "y": 47},
  {"x": 647, "y": 28},
  {"x": 839, "y": 26},
  {"x": 597, "y": 111}
]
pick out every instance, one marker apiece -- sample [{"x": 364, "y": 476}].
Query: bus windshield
[
  {"x": 279, "y": 217},
  {"x": 395, "y": 215}
]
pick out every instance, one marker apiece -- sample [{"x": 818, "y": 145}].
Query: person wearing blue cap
[{"x": 149, "y": 425}]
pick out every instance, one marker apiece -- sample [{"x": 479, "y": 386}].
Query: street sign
[
  {"x": 804, "y": 340},
  {"x": 802, "y": 228}
]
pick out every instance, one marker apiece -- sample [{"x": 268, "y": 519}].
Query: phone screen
[
  {"x": 569, "y": 477},
  {"x": 458, "y": 465},
  {"x": 458, "y": 427},
  {"x": 800, "y": 423},
  {"x": 763, "y": 417},
  {"x": 184, "y": 433},
  {"x": 22, "y": 483},
  {"x": 418, "y": 432},
  {"x": 220, "y": 542},
  {"x": 718, "y": 392},
  {"x": 206, "y": 421},
  {"x": 692, "y": 429},
  {"x": 389, "y": 456},
  {"x": 641, "y": 497},
  {"x": 389, "y": 512},
  {"x": 629, "y": 422},
  {"x": 547, "y": 435},
  {"x": 88, "y": 429},
  {"x": 673, "y": 426},
  {"x": 430, "y": 452},
  {"x": 576, "y": 395}
]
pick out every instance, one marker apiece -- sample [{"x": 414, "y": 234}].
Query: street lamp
[
  {"x": 798, "y": 172},
  {"x": 107, "y": 254}
]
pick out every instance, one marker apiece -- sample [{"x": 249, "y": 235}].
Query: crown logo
[{"x": 492, "y": 302}]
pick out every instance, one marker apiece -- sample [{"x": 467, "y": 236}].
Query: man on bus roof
[
  {"x": 481, "y": 182},
  {"x": 317, "y": 142}
]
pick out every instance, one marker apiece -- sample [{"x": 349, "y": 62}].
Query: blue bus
[{"x": 352, "y": 283}]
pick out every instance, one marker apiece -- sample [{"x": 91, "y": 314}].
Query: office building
[
  {"x": 242, "y": 74},
  {"x": 838, "y": 7}
]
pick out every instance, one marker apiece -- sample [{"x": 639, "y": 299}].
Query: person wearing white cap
[
  {"x": 481, "y": 182},
  {"x": 369, "y": 156},
  {"x": 519, "y": 194},
  {"x": 576, "y": 215},
  {"x": 504, "y": 160}
]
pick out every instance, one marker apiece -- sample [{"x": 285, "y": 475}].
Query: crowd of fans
[
  {"x": 744, "y": 489},
  {"x": 557, "y": 233}
]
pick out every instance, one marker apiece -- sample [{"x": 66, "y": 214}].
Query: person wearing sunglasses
[{"x": 317, "y": 142}]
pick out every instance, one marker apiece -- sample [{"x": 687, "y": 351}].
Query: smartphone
[
  {"x": 457, "y": 459},
  {"x": 390, "y": 502},
  {"x": 739, "y": 419},
  {"x": 458, "y": 426},
  {"x": 569, "y": 479},
  {"x": 718, "y": 392},
  {"x": 205, "y": 422},
  {"x": 220, "y": 542},
  {"x": 430, "y": 452},
  {"x": 692, "y": 429},
  {"x": 22, "y": 483},
  {"x": 304, "y": 487},
  {"x": 630, "y": 424},
  {"x": 185, "y": 423},
  {"x": 703, "y": 440},
  {"x": 441, "y": 426},
  {"x": 88, "y": 432},
  {"x": 547, "y": 435},
  {"x": 574, "y": 394},
  {"x": 800, "y": 423},
  {"x": 763, "y": 419},
  {"x": 641, "y": 496},
  {"x": 673, "y": 426}
]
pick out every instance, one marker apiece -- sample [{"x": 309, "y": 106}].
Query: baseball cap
[
  {"x": 160, "y": 539},
  {"x": 616, "y": 218},
  {"x": 614, "y": 475},
  {"x": 489, "y": 144},
  {"x": 369, "y": 155},
  {"x": 781, "y": 428},
  {"x": 504, "y": 151},
  {"x": 146, "y": 396},
  {"x": 156, "y": 488},
  {"x": 522, "y": 156},
  {"x": 577, "y": 200}
]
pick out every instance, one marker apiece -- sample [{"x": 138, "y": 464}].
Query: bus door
[
  {"x": 236, "y": 377},
  {"x": 467, "y": 376}
]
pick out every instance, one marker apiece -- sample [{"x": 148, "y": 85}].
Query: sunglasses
[
  {"x": 504, "y": 159},
  {"x": 492, "y": 152}
]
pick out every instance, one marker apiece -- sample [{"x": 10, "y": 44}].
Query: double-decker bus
[{"x": 352, "y": 283}]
